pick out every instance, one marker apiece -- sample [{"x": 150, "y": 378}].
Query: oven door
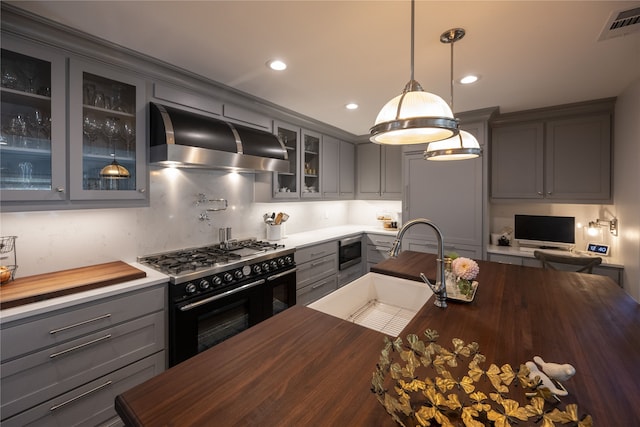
[
  {"x": 350, "y": 252},
  {"x": 282, "y": 291},
  {"x": 199, "y": 324}
]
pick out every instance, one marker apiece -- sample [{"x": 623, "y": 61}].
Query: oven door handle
[
  {"x": 279, "y": 275},
  {"x": 222, "y": 295}
]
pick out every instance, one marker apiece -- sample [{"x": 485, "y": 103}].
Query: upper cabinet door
[
  {"x": 107, "y": 134},
  {"x": 32, "y": 124},
  {"x": 312, "y": 165},
  {"x": 517, "y": 156},
  {"x": 347, "y": 170},
  {"x": 285, "y": 184},
  {"x": 331, "y": 167}
]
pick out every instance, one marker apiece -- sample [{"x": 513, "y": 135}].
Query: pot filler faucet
[{"x": 440, "y": 288}]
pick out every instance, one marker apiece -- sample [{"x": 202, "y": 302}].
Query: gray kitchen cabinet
[
  {"x": 107, "y": 123},
  {"x": 377, "y": 248},
  {"x": 77, "y": 354},
  {"x": 185, "y": 98},
  {"x": 285, "y": 185},
  {"x": 33, "y": 123},
  {"x": 559, "y": 154},
  {"x": 338, "y": 164},
  {"x": 449, "y": 193},
  {"x": 350, "y": 274},
  {"x": 311, "y": 160},
  {"x": 317, "y": 273},
  {"x": 379, "y": 169}
]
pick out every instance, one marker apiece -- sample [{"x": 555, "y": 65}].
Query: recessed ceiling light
[
  {"x": 277, "y": 65},
  {"x": 466, "y": 80},
  {"x": 351, "y": 106}
]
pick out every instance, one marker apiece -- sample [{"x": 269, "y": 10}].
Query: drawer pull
[
  {"x": 383, "y": 248},
  {"x": 75, "y": 325},
  {"x": 79, "y": 346},
  {"x": 80, "y": 396},
  {"x": 318, "y": 285},
  {"x": 317, "y": 264},
  {"x": 317, "y": 253}
]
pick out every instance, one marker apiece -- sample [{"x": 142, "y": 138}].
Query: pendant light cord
[{"x": 413, "y": 7}]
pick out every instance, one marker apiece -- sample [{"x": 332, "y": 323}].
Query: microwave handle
[{"x": 350, "y": 240}]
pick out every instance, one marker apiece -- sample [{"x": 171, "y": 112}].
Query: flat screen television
[{"x": 545, "y": 231}]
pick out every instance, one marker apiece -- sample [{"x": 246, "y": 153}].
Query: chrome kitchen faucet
[{"x": 440, "y": 288}]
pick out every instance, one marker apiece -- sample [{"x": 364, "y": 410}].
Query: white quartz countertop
[
  {"x": 308, "y": 238},
  {"x": 528, "y": 253},
  {"x": 297, "y": 240}
]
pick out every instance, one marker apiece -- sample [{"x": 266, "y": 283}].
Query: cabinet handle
[
  {"x": 142, "y": 190},
  {"x": 59, "y": 189},
  {"x": 317, "y": 253},
  {"x": 316, "y": 264},
  {"x": 75, "y": 325},
  {"x": 383, "y": 248},
  {"x": 548, "y": 193},
  {"x": 318, "y": 285},
  {"x": 540, "y": 193},
  {"x": 79, "y": 346},
  {"x": 80, "y": 396}
]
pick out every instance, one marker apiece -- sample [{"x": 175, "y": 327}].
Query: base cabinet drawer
[
  {"x": 316, "y": 290},
  {"x": 315, "y": 252},
  {"x": 311, "y": 271},
  {"x": 54, "y": 329},
  {"x": 90, "y": 404},
  {"x": 49, "y": 372},
  {"x": 350, "y": 274}
]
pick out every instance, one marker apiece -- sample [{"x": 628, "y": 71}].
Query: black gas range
[{"x": 218, "y": 291}]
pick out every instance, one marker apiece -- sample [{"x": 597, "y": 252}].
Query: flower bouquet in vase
[{"x": 460, "y": 279}]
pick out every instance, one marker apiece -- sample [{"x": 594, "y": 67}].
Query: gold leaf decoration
[{"x": 413, "y": 397}]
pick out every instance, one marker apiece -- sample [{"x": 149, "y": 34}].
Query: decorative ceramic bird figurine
[
  {"x": 546, "y": 381},
  {"x": 556, "y": 371}
]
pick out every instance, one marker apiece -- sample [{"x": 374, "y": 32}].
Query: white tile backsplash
[{"x": 58, "y": 240}]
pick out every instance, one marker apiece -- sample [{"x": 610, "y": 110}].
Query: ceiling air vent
[{"x": 620, "y": 23}]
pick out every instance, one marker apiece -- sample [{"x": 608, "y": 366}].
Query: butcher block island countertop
[{"x": 303, "y": 367}]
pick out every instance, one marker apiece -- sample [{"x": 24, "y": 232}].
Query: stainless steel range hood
[{"x": 187, "y": 139}]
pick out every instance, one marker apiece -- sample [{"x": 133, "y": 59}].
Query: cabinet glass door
[
  {"x": 311, "y": 165},
  {"x": 285, "y": 184},
  {"x": 31, "y": 124},
  {"x": 107, "y": 134}
]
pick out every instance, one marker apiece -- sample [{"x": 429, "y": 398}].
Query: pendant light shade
[
  {"x": 414, "y": 116},
  {"x": 460, "y": 147},
  {"x": 464, "y": 145},
  {"x": 114, "y": 170}
]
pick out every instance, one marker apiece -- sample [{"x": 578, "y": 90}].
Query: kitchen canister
[{"x": 274, "y": 232}]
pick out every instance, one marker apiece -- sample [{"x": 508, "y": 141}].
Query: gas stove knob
[
  {"x": 204, "y": 285},
  {"x": 190, "y": 288},
  {"x": 246, "y": 270},
  {"x": 216, "y": 280},
  {"x": 288, "y": 259},
  {"x": 257, "y": 269},
  {"x": 228, "y": 277},
  {"x": 238, "y": 274},
  {"x": 265, "y": 266},
  {"x": 281, "y": 262},
  {"x": 273, "y": 264}
]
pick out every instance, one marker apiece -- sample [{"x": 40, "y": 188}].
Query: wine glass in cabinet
[
  {"x": 32, "y": 123},
  {"x": 311, "y": 163}
]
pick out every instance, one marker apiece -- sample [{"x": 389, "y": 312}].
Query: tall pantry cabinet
[{"x": 452, "y": 194}]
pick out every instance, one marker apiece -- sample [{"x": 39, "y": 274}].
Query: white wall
[
  {"x": 59, "y": 240},
  {"x": 626, "y": 184}
]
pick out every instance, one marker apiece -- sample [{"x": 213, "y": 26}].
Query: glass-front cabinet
[
  {"x": 311, "y": 165},
  {"x": 286, "y": 184},
  {"x": 107, "y": 134},
  {"x": 32, "y": 123}
]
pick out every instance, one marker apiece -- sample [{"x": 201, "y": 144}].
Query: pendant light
[
  {"x": 464, "y": 145},
  {"x": 113, "y": 170},
  {"x": 414, "y": 116}
]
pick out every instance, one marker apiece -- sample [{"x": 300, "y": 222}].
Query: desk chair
[{"x": 586, "y": 263}]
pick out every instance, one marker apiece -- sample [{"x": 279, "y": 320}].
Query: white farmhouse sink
[{"x": 376, "y": 301}]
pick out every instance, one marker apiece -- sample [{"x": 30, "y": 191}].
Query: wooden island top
[{"x": 303, "y": 367}]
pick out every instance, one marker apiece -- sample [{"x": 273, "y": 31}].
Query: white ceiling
[{"x": 529, "y": 54}]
